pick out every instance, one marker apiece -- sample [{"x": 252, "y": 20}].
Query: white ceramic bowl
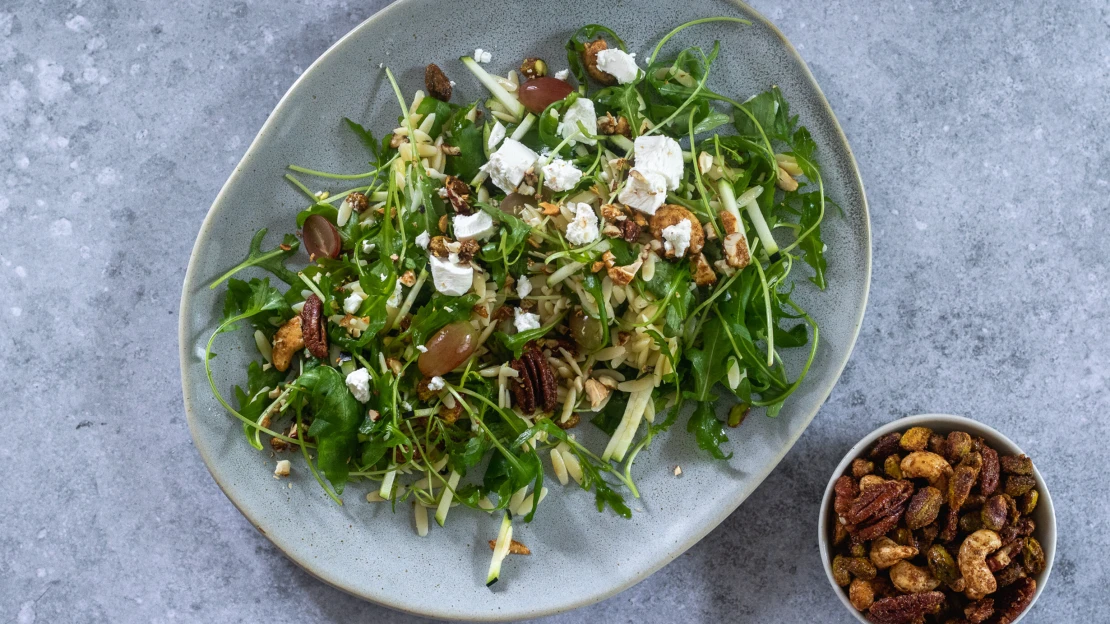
[{"x": 1044, "y": 515}]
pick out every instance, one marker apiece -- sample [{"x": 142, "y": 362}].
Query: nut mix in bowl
[{"x": 936, "y": 527}]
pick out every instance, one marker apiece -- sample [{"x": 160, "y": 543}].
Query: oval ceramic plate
[{"x": 364, "y": 549}]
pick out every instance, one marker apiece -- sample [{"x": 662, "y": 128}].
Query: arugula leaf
[
  {"x": 441, "y": 109},
  {"x": 463, "y": 457},
  {"x": 708, "y": 430},
  {"x": 272, "y": 260},
  {"x": 812, "y": 244},
  {"x": 336, "y": 421},
  {"x": 623, "y": 251},
  {"x": 671, "y": 283},
  {"x": 771, "y": 112},
  {"x": 441, "y": 310},
  {"x": 367, "y": 138},
  {"x": 468, "y": 138},
  {"x": 387, "y": 438},
  {"x": 248, "y": 299}
]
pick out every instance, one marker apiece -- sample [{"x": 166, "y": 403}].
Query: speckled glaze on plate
[{"x": 580, "y": 556}]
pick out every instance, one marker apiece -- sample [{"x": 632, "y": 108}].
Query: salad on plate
[{"x": 600, "y": 246}]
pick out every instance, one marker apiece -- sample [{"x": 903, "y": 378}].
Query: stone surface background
[{"x": 981, "y": 133}]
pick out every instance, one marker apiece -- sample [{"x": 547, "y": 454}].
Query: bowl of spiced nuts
[{"x": 937, "y": 519}]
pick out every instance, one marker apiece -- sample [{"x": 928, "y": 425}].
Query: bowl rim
[
  {"x": 192, "y": 279},
  {"x": 941, "y": 422}
]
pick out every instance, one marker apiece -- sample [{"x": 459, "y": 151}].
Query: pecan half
[
  {"x": 904, "y": 609},
  {"x": 1014, "y": 600},
  {"x": 536, "y": 386},
  {"x": 436, "y": 82},
  {"x": 313, "y": 327},
  {"x": 886, "y": 446},
  {"x": 878, "y": 499},
  {"x": 846, "y": 491},
  {"x": 978, "y": 611},
  {"x": 458, "y": 193}
]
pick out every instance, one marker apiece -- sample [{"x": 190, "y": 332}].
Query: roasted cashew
[
  {"x": 923, "y": 464},
  {"x": 912, "y": 579},
  {"x": 885, "y": 552},
  {"x": 973, "y": 565}
]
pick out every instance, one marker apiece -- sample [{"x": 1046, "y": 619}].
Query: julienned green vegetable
[{"x": 474, "y": 312}]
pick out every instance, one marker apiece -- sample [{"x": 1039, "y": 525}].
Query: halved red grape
[
  {"x": 538, "y": 93},
  {"x": 321, "y": 239},
  {"x": 448, "y": 348}
]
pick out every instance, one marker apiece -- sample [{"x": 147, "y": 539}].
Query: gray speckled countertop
[{"x": 981, "y": 133}]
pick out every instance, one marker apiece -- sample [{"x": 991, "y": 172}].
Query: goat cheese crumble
[
  {"x": 358, "y": 382},
  {"x": 352, "y": 303},
  {"x": 435, "y": 384},
  {"x": 523, "y": 286},
  {"x": 560, "y": 175},
  {"x": 422, "y": 239},
  {"x": 523, "y": 321},
  {"x": 583, "y": 229},
  {"x": 618, "y": 64},
  {"x": 449, "y": 277},
  {"x": 658, "y": 170},
  {"x": 507, "y": 166},
  {"x": 676, "y": 237},
  {"x": 477, "y": 226}
]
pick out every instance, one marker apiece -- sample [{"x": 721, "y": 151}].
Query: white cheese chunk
[
  {"x": 358, "y": 382},
  {"x": 562, "y": 74},
  {"x": 676, "y": 237},
  {"x": 523, "y": 286},
  {"x": 449, "y": 277},
  {"x": 661, "y": 155},
  {"x": 435, "y": 384},
  {"x": 507, "y": 166},
  {"x": 581, "y": 111},
  {"x": 523, "y": 321},
  {"x": 478, "y": 225},
  {"x": 496, "y": 135},
  {"x": 560, "y": 175},
  {"x": 618, "y": 64},
  {"x": 583, "y": 229},
  {"x": 422, "y": 240},
  {"x": 352, "y": 303},
  {"x": 644, "y": 192}
]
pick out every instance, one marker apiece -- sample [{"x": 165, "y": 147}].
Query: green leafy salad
[{"x": 595, "y": 247}]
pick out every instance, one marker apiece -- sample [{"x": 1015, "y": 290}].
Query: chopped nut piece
[
  {"x": 677, "y": 470},
  {"x": 595, "y": 392},
  {"x": 589, "y": 59},
  {"x": 458, "y": 194},
  {"x": 611, "y": 125},
  {"x": 282, "y": 469},
  {"x": 437, "y": 83},
  {"x": 533, "y": 68},
  {"x": 785, "y": 182},
  {"x": 703, "y": 272},
  {"x": 408, "y": 278},
  {"x": 438, "y": 246},
  {"x": 515, "y": 547},
  {"x": 287, "y": 341}
]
